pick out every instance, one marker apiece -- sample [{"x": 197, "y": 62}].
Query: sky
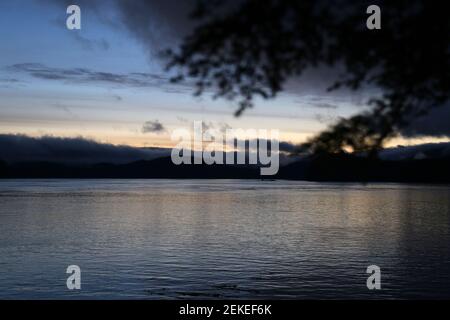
[{"x": 107, "y": 82}]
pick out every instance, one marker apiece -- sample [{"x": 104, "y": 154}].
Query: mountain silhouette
[{"x": 324, "y": 167}]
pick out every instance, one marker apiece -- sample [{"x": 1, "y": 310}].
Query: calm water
[{"x": 152, "y": 239}]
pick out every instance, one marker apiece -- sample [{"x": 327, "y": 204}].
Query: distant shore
[{"x": 333, "y": 168}]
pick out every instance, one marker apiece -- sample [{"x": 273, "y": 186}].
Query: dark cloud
[
  {"x": 422, "y": 151},
  {"x": 435, "y": 124},
  {"x": 84, "y": 75},
  {"x": 325, "y": 106},
  {"x": 287, "y": 146},
  {"x": 283, "y": 146},
  {"x": 157, "y": 24},
  {"x": 66, "y": 109},
  {"x": 19, "y": 148},
  {"x": 89, "y": 44},
  {"x": 153, "y": 127},
  {"x": 10, "y": 82}
]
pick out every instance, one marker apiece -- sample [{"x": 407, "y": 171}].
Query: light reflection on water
[{"x": 152, "y": 239}]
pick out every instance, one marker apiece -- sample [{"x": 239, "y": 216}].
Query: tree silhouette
[{"x": 249, "y": 48}]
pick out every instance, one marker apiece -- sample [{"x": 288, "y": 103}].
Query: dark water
[{"x": 223, "y": 239}]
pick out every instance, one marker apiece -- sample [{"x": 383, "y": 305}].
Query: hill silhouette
[
  {"x": 350, "y": 168},
  {"x": 325, "y": 167},
  {"x": 158, "y": 168}
]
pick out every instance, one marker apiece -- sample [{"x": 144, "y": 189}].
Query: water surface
[{"x": 153, "y": 239}]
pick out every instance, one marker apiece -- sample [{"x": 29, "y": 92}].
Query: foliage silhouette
[{"x": 250, "y": 48}]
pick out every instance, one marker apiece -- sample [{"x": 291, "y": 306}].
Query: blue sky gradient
[{"x": 110, "y": 101}]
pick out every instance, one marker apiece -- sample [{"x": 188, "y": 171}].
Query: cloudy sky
[{"x": 107, "y": 81}]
